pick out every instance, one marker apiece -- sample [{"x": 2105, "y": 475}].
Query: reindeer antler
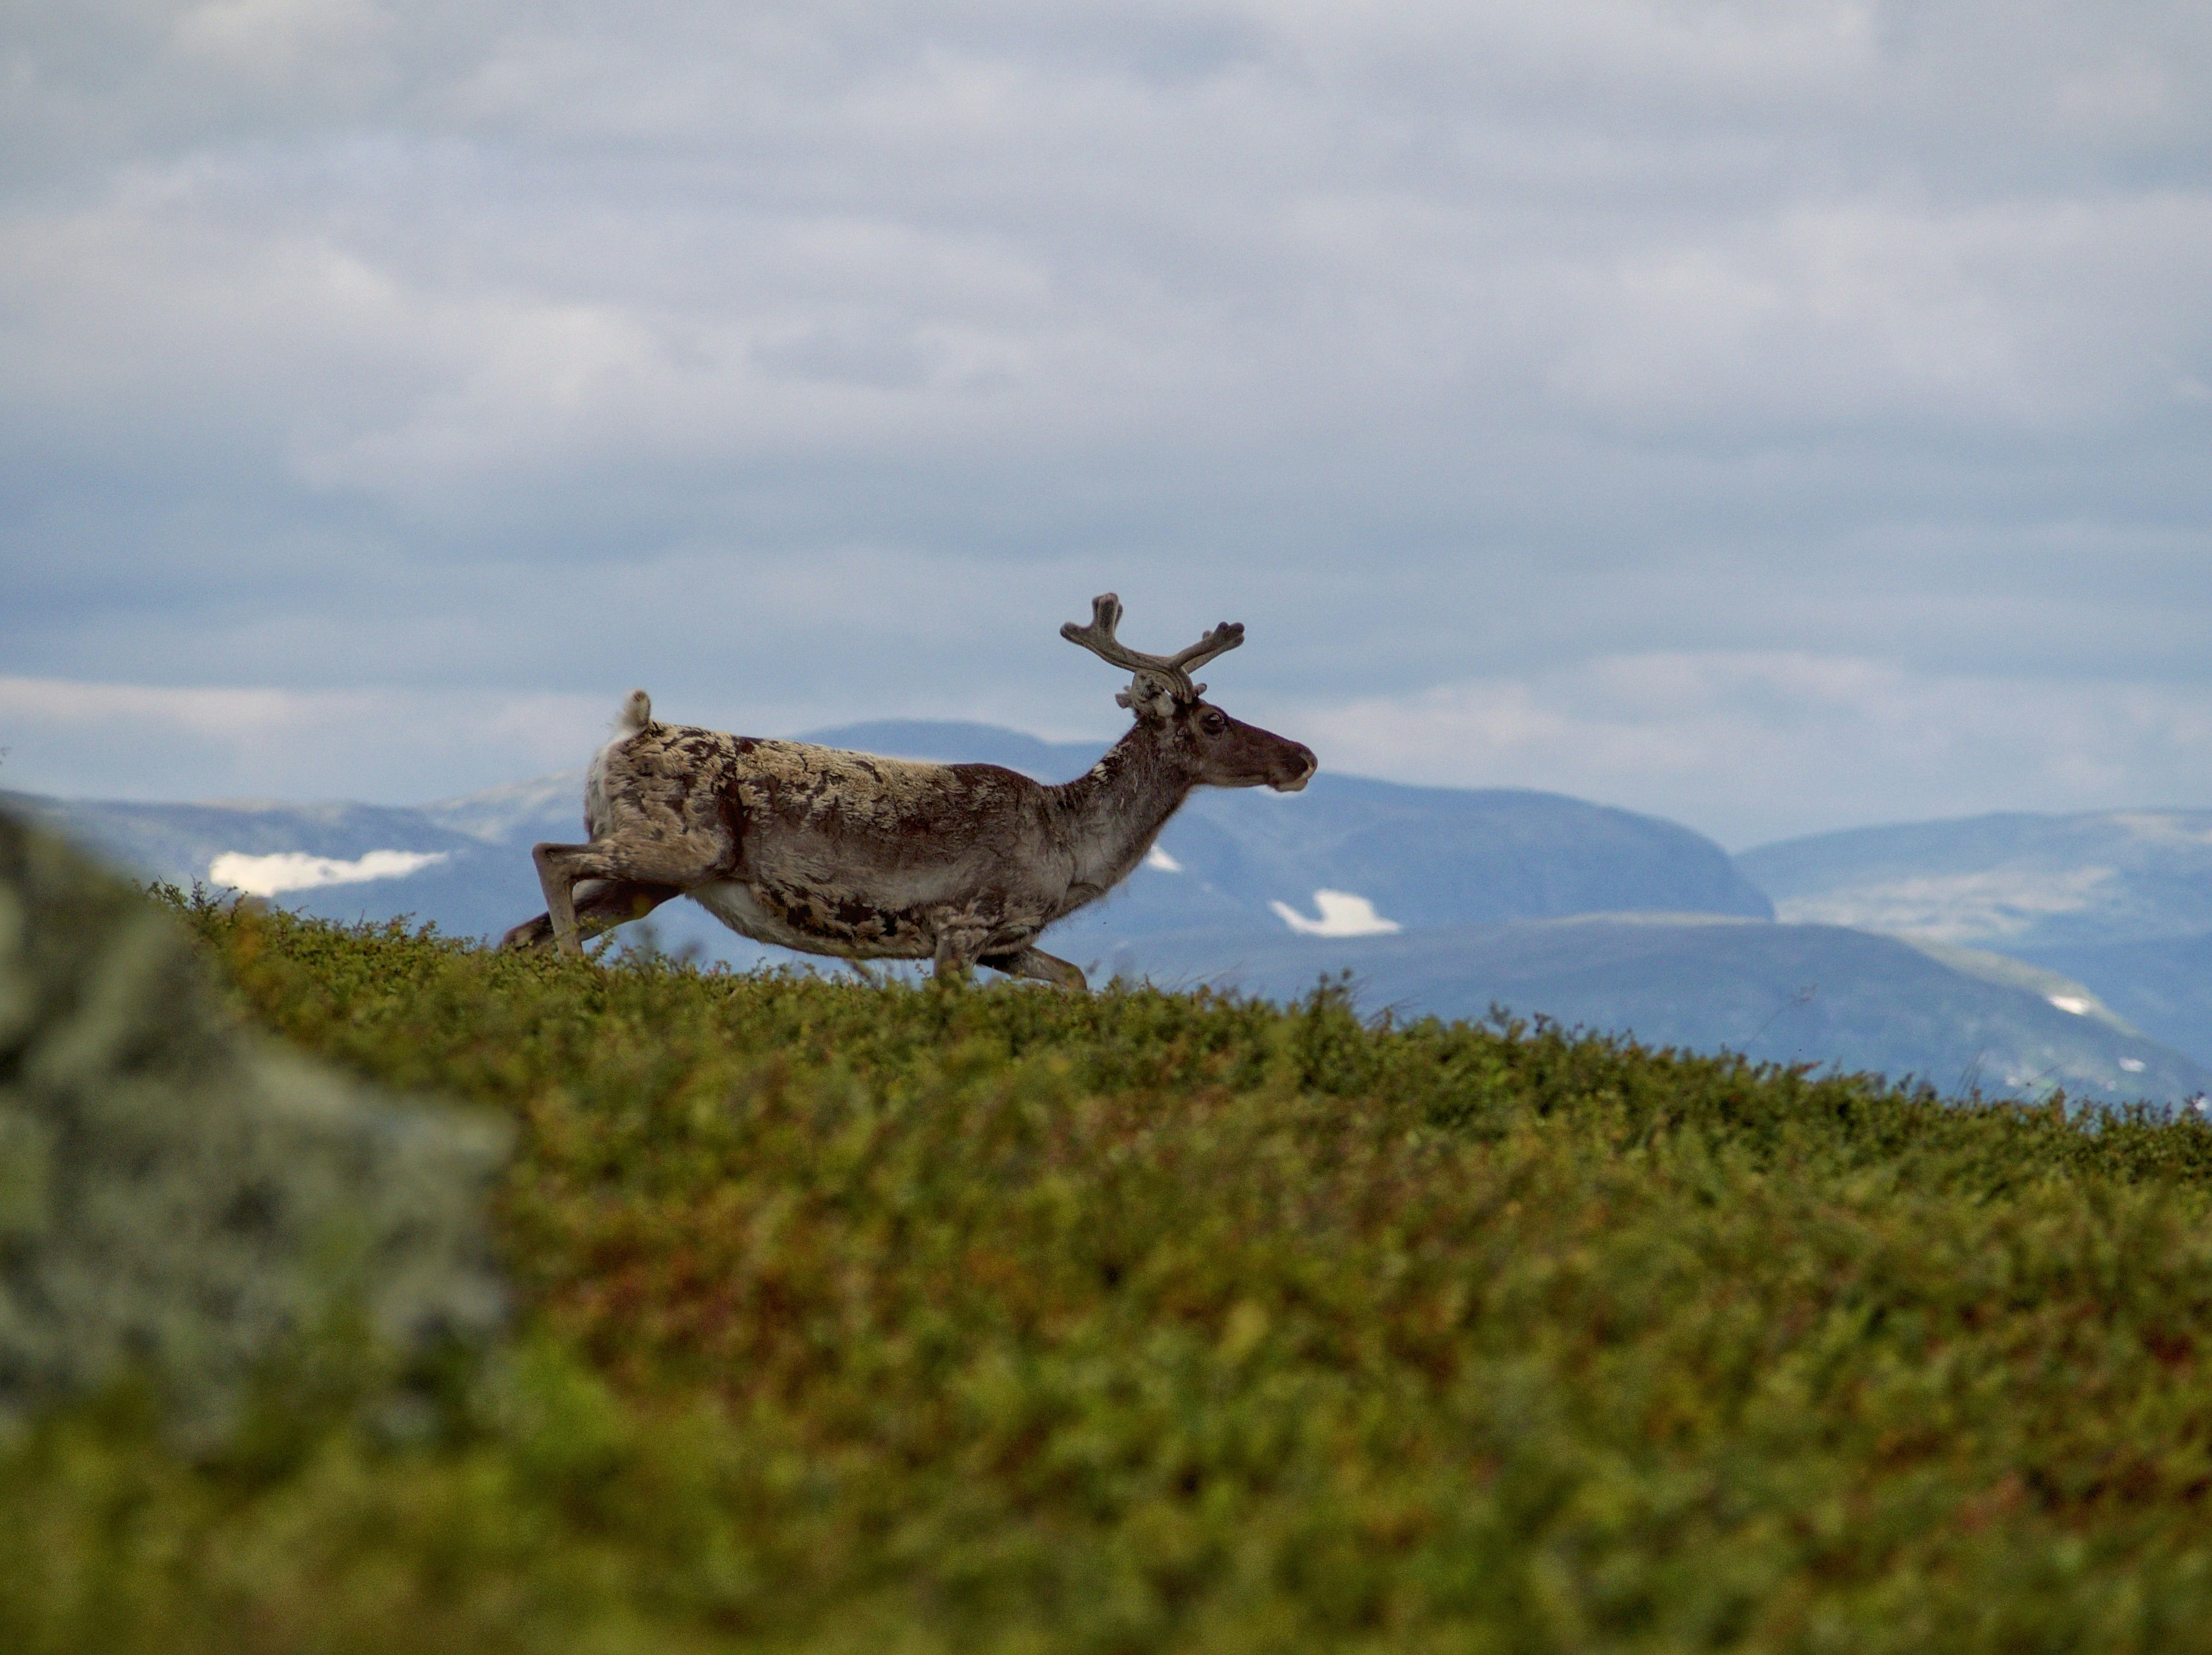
[{"x": 1170, "y": 673}]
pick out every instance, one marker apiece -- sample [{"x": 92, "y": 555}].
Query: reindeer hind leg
[
  {"x": 648, "y": 869},
  {"x": 1044, "y": 967},
  {"x": 600, "y": 905}
]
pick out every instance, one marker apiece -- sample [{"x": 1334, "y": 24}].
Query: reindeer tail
[{"x": 636, "y": 713}]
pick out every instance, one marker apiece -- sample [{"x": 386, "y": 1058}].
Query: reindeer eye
[{"x": 1213, "y": 724}]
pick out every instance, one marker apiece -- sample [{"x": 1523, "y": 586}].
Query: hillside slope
[
  {"x": 997, "y": 1320},
  {"x": 2161, "y": 984}
]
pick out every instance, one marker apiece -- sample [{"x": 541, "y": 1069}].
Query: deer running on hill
[{"x": 871, "y": 858}]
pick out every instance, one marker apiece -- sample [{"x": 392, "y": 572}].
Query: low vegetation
[{"x": 910, "y": 1319}]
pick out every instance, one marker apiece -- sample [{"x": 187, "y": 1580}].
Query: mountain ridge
[
  {"x": 1434, "y": 889},
  {"x": 2120, "y": 901}
]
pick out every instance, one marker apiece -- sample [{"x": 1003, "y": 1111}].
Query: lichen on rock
[{"x": 177, "y": 1194}]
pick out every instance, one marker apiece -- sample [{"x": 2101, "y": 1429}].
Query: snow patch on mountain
[
  {"x": 296, "y": 870},
  {"x": 1342, "y": 914}
]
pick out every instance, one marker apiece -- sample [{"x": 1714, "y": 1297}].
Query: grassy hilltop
[{"x": 915, "y": 1319}]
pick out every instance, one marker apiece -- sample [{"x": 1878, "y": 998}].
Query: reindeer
[{"x": 862, "y": 858}]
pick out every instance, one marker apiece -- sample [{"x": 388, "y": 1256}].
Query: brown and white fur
[{"x": 863, "y": 857}]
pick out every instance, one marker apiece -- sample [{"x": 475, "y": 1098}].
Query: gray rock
[{"x": 176, "y": 1193}]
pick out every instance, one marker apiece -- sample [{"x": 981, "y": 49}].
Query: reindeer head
[{"x": 1217, "y": 749}]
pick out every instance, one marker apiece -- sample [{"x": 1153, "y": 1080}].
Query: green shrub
[{"x": 961, "y": 1319}]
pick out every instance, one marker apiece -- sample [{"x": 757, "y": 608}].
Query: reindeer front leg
[{"x": 958, "y": 947}]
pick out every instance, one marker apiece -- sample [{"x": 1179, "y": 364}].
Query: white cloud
[
  {"x": 810, "y": 362},
  {"x": 383, "y": 745},
  {"x": 1755, "y": 746},
  {"x": 278, "y": 38},
  {"x": 687, "y": 241}
]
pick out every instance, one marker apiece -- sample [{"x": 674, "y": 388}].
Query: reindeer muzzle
[{"x": 1307, "y": 764}]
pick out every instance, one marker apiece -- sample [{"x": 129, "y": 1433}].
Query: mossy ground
[{"x": 909, "y": 1319}]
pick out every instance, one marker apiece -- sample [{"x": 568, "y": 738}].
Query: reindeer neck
[{"x": 1114, "y": 811}]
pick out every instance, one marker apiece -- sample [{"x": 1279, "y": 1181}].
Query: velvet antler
[{"x": 1169, "y": 673}]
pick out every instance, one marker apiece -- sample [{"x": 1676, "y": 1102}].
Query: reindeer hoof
[{"x": 529, "y": 934}]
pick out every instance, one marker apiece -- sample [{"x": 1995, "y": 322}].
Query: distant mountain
[
  {"x": 1416, "y": 857},
  {"x": 1439, "y": 899},
  {"x": 2163, "y": 986},
  {"x": 1405, "y": 857},
  {"x": 947, "y": 741},
  {"x": 2120, "y": 899},
  {"x": 180, "y": 842},
  {"x": 468, "y": 886},
  {"x": 1821, "y": 994},
  {"x": 521, "y": 813},
  {"x": 2008, "y": 883}
]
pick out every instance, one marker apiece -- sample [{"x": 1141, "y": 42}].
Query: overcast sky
[{"x": 1778, "y": 416}]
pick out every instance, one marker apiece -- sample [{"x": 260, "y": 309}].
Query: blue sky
[{"x": 1778, "y": 416}]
